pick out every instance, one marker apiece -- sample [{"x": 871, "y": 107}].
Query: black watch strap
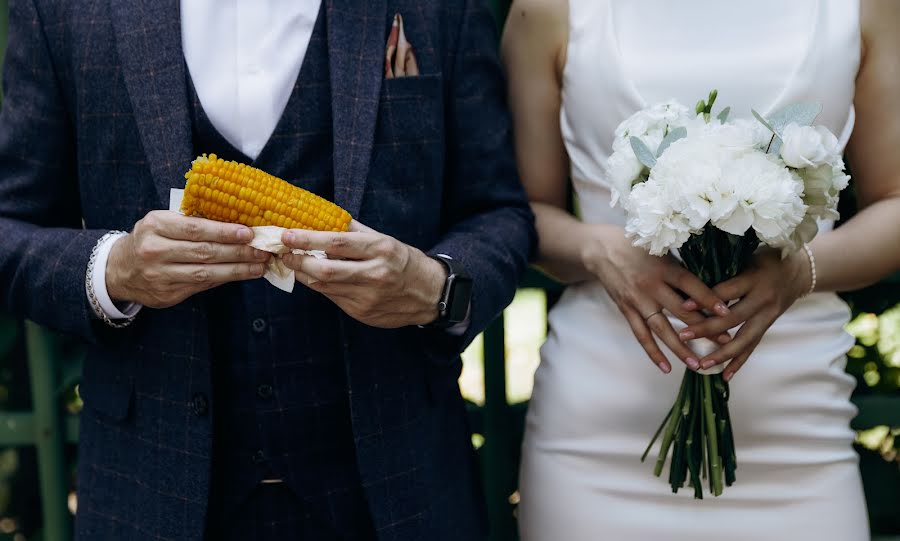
[{"x": 453, "y": 305}]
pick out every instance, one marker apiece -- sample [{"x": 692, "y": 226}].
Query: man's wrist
[
  {"x": 116, "y": 315},
  {"x": 115, "y": 269},
  {"x": 435, "y": 276}
]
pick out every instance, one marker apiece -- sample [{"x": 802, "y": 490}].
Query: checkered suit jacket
[{"x": 94, "y": 130}]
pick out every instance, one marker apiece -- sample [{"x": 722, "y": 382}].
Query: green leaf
[
  {"x": 700, "y": 107},
  {"x": 723, "y": 116},
  {"x": 642, "y": 152},
  {"x": 763, "y": 121},
  {"x": 711, "y": 100},
  {"x": 802, "y": 114},
  {"x": 671, "y": 137}
]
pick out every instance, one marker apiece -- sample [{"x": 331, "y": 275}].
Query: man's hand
[
  {"x": 374, "y": 278},
  {"x": 169, "y": 257}
]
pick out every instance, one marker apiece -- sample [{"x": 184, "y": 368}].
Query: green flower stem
[{"x": 715, "y": 462}]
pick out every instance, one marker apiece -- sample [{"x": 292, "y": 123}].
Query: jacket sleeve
[
  {"x": 488, "y": 222},
  {"x": 44, "y": 250}
]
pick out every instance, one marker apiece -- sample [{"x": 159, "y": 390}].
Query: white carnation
[
  {"x": 689, "y": 168},
  {"x": 654, "y": 121},
  {"x": 766, "y": 196},
  {"x": 653, "y": 223}
]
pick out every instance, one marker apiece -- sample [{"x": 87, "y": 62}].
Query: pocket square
[{"x": 399, "y": 58}]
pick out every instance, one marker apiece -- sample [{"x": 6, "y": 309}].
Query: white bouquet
[{"x": 713, "y": 190}]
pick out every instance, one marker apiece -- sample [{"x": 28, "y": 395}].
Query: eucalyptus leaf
[
  {"x": 802, "y": 114},
  {"x": 723, "y": 115},
  {"x": 671, "y": 137},
  {"x": 642, "y": 152},
  {"x": 763, "y": 121}
]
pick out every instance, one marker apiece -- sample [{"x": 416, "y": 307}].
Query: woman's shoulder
[{"x": 537, "y": 28}]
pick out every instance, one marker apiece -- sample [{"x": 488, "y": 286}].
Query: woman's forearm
[
  {"x": 861, "y": 251},
  {"x": 565, "y": 242}
]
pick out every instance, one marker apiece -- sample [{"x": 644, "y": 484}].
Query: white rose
[
  {"x": 622, "y": 170},
  {"x": 808, "y": 146}
]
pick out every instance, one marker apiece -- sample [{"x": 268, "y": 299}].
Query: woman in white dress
[{"x": 577, "y": 69}]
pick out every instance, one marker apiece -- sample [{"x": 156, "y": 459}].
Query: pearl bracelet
[{"x": 812, "y": 269}]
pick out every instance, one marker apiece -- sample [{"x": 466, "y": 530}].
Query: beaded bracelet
[{"x": 812, "y": 268}]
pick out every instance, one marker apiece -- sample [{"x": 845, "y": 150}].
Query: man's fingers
[
  {"x": 175, "y": 226},
  {"x": 646, "y": 340},
  {"x": 694, "y": 288},
  {"x": 328, "y": 270},
  {"x": 216, "y": 273},
  {"x": 211, "y": 252},
  {"x": 357, "y": 227},
  {"x": 337, "y": 245}
]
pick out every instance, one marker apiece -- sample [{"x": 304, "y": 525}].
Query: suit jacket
[{"x": 94, "y": 131}]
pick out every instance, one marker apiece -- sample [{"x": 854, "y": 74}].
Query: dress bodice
[{"x": 624, "y": 55}]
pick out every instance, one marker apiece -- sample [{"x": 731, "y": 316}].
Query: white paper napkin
[{"x": 268, "y": 239}]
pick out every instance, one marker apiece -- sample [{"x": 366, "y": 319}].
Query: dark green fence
[{"x": 53, "y": 368}]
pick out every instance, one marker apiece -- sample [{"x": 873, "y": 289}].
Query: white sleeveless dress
[{"x": 597, "y": 398}]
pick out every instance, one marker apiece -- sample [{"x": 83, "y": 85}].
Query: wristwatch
[{"x": 453, "y": 306}]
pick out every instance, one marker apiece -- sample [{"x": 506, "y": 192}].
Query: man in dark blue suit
[{"x": 225, "y": 408}]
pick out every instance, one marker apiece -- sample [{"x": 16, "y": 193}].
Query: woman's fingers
[
  {"x": 714, "y": 327},
  {"x": 736, "y": 288},
  {"x": 673, "y": 302},
  {"x": 659, "y": 324},
  {"x": 730, "y": 290},
  {"x": 646, "y": 340},
  {"x": 694, "y": 288},
  {"x": 744, "y": 341},
  {"x": 738, "y": 362}
]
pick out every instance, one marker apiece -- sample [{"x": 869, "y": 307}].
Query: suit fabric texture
[
  {"x": 279, "y": 384},
  {"x": 95, "y": 129}
]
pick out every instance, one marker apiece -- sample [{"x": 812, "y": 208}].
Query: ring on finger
[{"x": 647, "y": 317}]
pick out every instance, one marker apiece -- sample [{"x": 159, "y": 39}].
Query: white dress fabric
[{"x": 597, "y": 398}]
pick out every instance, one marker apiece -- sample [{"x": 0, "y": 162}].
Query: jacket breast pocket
[
  {"x": 406, "y": 172},
  {"x": 410, "y": 111},
  {"x": 107, "y": 384}
]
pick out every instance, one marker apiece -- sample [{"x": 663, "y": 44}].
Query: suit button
[
  {"x": 259, "y": 457},
  {"x": 259, "y": 325},
  {"x": 200, "y": 405},
  {"x": 264, "y": 391}
]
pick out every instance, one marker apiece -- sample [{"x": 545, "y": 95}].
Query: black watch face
[{"x": 459, "y": 299}]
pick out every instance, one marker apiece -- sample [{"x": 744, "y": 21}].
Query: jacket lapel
[
  {"x": 148, "y": 38},
  {"x": 356, "y": 42}
]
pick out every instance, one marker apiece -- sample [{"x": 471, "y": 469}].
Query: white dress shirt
[{"x": 244, "y": 57}]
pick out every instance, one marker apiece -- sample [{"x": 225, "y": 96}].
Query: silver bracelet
[
  {"x": 89, "y": 286},
  {"x": 812, "y": 269}
]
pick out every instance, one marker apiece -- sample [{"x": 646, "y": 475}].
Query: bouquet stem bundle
[{"x": 697, "y": 430}]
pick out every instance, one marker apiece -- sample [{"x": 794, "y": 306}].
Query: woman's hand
[
  {"x": 643, "y": 286},
  {"x": 766, "y": 290}
]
